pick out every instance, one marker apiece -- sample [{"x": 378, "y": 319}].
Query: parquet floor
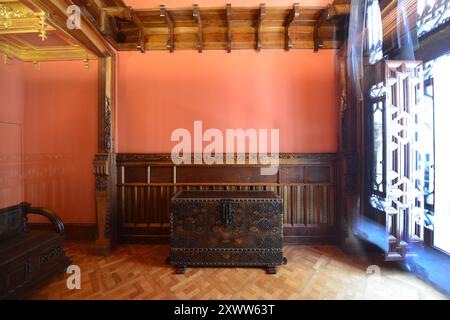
[{"x": 313, "y": 272}]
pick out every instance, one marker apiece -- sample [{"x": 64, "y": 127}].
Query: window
[
  {"x": 437, "y": 197},
  {"x": 397, "y": 171},
  {"x": 431, "y": 14},
  {"x": 377, "y": 98},
  {"x": 427, "y": 131},
  {"x": 374, "y": 31},
  {"x": 408, "y": 111}
]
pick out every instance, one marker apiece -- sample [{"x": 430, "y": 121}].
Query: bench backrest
[{"x": 13, "y": 220}]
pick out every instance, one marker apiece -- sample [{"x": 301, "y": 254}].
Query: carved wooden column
[
  {"x": 101, "y": 172},
  {"x": 349, "y": 160},
  {"x": 104, "y": 162}
]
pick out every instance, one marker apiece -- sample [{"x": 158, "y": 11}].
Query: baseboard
[
  {"x": 313, "y": 240},
  {"x": 87, "y": 232},
  {"x": 73, "y": 231},
  {"x": 147, "y": 239},
  {"x": 309, "y": 235},
  {"x": 288, "y": 240}
]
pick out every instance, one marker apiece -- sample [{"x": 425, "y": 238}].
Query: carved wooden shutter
[
  {"x": 404, "y": 170},
  {"x": 396, "y": 88}
]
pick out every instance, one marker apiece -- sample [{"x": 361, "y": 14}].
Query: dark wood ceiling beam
[
  {"x": 117, "y": 12},
  {"x": 326, "y": 14},
  {"x": 342, "y": 8},
  {"x": 293, "y": 18},
  {"x": 197, "y": 17},
  {"x": 106, "y": 22},
  {"x": 229, "y": 17},
  {"x": 261, "y": 16},
  {"x": 165, "y": 16},
  {"x": 141, "y": 30},
  {"x": 213, "y": 28}
]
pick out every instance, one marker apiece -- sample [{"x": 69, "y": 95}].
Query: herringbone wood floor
[{"x": 313, "y": 272}]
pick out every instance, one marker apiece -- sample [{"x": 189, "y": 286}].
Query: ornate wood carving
[
  {"x": 28, "y": 257},
  {"x": 226, "y": 228},
  {"x": 107, "y": 123},
  {"x": 101, "y": 172}
]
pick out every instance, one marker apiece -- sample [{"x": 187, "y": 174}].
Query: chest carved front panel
[{"x": 226, "y": 228}]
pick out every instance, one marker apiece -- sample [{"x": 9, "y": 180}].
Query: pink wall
[
  {"x": 60, "y": 138},
  {"x": 11, "y": 120},
  {"x": 293, "y": 91}
]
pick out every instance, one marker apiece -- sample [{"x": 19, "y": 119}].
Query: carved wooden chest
[{"x": 226, "y": 228}]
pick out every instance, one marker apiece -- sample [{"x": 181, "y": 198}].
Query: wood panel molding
[
  {"x": 306, "y": 183},
  {"x": 284, "y": 157}
]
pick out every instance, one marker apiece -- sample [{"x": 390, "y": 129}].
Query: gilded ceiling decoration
[{"x": 26, "y": 34}]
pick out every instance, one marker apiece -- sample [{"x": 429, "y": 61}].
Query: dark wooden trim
[
  {"x": 165, "y": 157},
  {"x": 101, "y": 103},
  {"x": 73, "y": 231}
]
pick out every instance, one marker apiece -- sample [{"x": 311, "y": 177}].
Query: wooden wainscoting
[{"x": 306, "y": 182}]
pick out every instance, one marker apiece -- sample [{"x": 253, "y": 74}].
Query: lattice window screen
[
  {"x": 431, "y": 14},
  {"x": 405, "y": 172}
]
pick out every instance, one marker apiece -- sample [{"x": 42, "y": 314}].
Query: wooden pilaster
[{"x": 104, "y": 161}]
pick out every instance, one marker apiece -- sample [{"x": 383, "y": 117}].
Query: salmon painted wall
[
  {"x": 292, "y": 91},
  {"x": 12, "y": 86},
  {"x": 60, "y": 138}
]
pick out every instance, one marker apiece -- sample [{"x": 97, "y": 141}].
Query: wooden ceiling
[
  {"x": 227, "y": 28},
  {"x": 36, "y": 30}
]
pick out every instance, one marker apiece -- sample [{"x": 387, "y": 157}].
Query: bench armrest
[{"x": 53, "y": 217}]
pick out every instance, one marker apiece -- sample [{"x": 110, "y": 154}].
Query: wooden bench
[{"x": 28, "y": 258}]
